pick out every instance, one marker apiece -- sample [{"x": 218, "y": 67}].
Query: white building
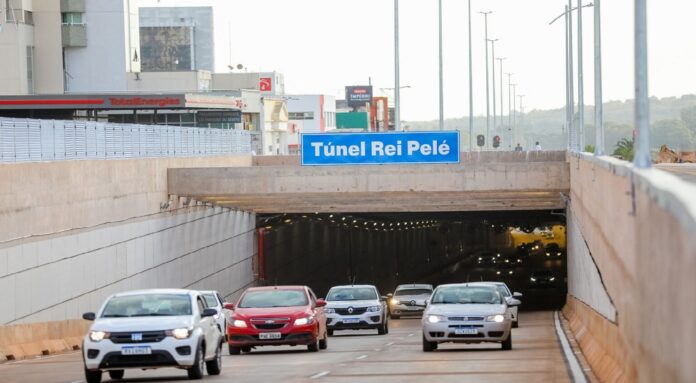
[{"x": 309, "y": 114}]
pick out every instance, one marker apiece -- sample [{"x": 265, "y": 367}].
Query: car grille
[
  {"x": 274, "y": 326},
  {"x": 479, "y": 335},
  {"x": 465, "y": 326},
  {"x": 127, "y": 337},
  {"x": 156, "y": 359},
  {"x": 269, "y": 323},
  {"x": 409, "y": 303},
  {"x": 356, "y": 311},
  {"x": 465, "y": 319}
]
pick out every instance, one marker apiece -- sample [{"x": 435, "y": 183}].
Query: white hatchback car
[
  {"x": 409, "y": 300},
  {"x": 355, "y": 308},
  {"x": 215, "y": 301},
  {"x": 463, "y": 313},
  {"x": 510, "y": 297},
  {"x": 149, "y": 329}
]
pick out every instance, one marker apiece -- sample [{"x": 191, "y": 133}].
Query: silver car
[
  {"x": 409, "y": 300},
  {"x": 509, "y": 297},
  {"x": 356, "y": 307},
  {"x": 466, "y": 313}
]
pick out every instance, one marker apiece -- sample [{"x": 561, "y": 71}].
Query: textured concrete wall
[
  {"x": 50, "y": 197},
  {"x": 639, "y": 226}
]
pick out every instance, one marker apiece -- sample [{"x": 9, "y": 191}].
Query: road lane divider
[{"x": 574, "y": 366}]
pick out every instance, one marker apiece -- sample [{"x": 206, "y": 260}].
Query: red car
[{"x": 278, "y": 315}]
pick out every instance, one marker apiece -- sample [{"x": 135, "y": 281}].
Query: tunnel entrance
[{"x": 525, "y": 249}]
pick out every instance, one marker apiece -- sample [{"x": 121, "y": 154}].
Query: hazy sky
[{"x": 323, "y": 45}]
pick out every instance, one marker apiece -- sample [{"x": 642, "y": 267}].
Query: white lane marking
[
  {"x": 389, "y": 344},
  {"x": 378, "y": 349},
  {"x": 361, "y": 357},
  {"x": 575, "y": 370},
  {"x": 411, "y": 334},
  {"x": 320, "y": 374}
]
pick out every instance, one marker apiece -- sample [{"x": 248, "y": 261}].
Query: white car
[
  {"x": 354, "y": 308},
  {"x": 409, "y": 300},
  {"x": 509, "y": 297},
  {"x": 464, "y": 313},
  {"x": 150, "y": 329},
  {"x": 215, "y": 301}
]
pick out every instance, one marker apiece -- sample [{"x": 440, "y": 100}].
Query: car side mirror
[
  {"x": 383, "y": 298},
  {"x": 208, "y": 313},
  {"x": 321, "y": 303},
  {"x": 89, "y": 316},
  {"x": 229, "y": 306},
  {"x": 517, "y": 295},
  {"x": 427, "y": 302}
]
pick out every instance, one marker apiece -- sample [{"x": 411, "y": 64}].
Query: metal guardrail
[{"x": 26, "y": 140}]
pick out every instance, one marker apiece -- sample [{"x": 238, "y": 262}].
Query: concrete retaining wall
[{"x": 639, "y": 226}]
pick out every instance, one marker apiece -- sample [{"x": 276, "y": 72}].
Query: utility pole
[
  {"x": 471, "y": 90},
  {"x": 397, "y": 80},
  {"x": 642, "y": 158},
  {"x": 493, "y": 78},
  {"x": 442, "y": 107},
  {"x": 488, "y": 101},
  {"x": 599, "y": 107}
]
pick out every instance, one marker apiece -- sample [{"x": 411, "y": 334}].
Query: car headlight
[
  {"x": 374, "y": 309},
  {"x": 495, "y": 318},
  {"x": 436, "y": 318},
  {"x": 239, "y": 323},
  {"x": 395, "y": 301},
  {"x": 97, "y": 336},
  {"x": 552, "y": 279},
  {"x": 510, "y": 272},
  {"x": 532, "y": 279},
  {"x": 497, "y": 272},
  {"x": 303, "y": 321},
  {"x": 329, "y": 310},
  {"x": 179, "y": 333},
  {"x": 548, "y": 254}
]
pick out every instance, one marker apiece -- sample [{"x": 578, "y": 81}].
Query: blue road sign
[{"x": 380, "y": 148}]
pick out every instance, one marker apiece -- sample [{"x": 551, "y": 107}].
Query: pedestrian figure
[
  {"x": 537, "y": 147},
  {"x": 518, "y": 148}
]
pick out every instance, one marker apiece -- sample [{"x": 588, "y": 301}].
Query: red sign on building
[{"x": 266, "y": 84}]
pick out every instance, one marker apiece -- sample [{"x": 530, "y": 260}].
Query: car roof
[
  {"x": 357, "y": 286},
  {"x": 468, "y": 284},
  {"x": 270, "y": 288},
  {"x": 208, "y": 292},
  {"x": 414, "y": 286},
  {"x": 487, "y": 283},
  {"x": 154, "y": 291}
]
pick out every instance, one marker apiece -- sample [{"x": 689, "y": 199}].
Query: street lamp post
[
  {"x": 509, "y": 106},
  {"x": 488, "y": 105},
  {"x": 471, "y": 90},
  {"x": 493, "y": 78},
  {"x": 442, "y": 107},
  {"x": 571, "y": 80},
  {"x": 642, "y": 154},
  {"x": 397, "y": 86},
  {"x": 519, "y": 125},
  {"x": 514, "y": 109},
  {"x": 502, "y": 110},
  {"x": 599, "y": 107},
  {"x": 581, "y": 85}
]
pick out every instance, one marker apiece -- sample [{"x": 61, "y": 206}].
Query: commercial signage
[
  {"x": 357, "y": 96},
  {"x": 130, "y": 102},
  {"x": 380, "y": 148},
  {"x": 266, "y": 84},
  {"x": 219, "y": 117}
]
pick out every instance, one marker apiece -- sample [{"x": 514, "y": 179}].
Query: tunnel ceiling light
[
  {"x": 330, "y": 215},
  {"x": 374, "y": 224},
  {"x": 288, "y": 220},
  {"x": 343, "y": 219}
]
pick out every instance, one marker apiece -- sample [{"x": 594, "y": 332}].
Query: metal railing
[{"x": 26, "y": 140}]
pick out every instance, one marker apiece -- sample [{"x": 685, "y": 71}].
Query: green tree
[
  {"x": 688, "y": 116},
  {"x": 624, "y": 149},
  {"x": 672, "y": 133}
]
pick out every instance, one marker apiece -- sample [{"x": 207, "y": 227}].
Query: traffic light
[
  {"x": 496, "y": 141},
  {"x": 480, "y": 140}
]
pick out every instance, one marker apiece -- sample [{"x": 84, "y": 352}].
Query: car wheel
[
  {"x": 116, "y": 374},
  {"x": 429, "y": 346},
  {"x": 516, "y": 324},
  {"x": 382, "y": 329},
  {"x": 214, "y": 366},
  {"x": 507, "y": 343},
  {"x": 324, "y": 343},
  {"x": 93, "y": 376},
  {"x": 196, "y": 371},
  {"x": 234, "y": 350},
  {"x": 314, "y": 346},
  {"x": 329, "y": 332}
]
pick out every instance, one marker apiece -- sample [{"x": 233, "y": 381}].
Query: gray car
[
  {"x": 464, "y": 313},
  {"x": 356, "y": 307},
  {"x": 409, "y": 300}
]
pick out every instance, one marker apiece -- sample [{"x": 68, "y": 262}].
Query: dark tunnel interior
[{"x": 525, "y": 249}]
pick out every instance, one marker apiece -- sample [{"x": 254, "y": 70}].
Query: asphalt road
[{"x": 355, "y": 356}]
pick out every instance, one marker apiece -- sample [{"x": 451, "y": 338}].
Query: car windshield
[
  {"x": 273, "y": 298},
  {"x": 467, "y": 295},
  {"x": 503, "y": 291},
  {"x": 147, "y": 305},
  {"x": 403, "y": 292},
  {"x": 210, "y": 300},
  {"x": 542, "y": 273},
  {"x": 352, "y": 294}
]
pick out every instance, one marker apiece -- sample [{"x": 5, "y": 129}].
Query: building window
[
  {"x": 300, "y": 116},
  {"x": 30, "y": 69},
  {"x": 72, "y": 18}
]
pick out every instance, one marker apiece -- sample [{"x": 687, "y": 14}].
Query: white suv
[
  {"x": 150, "y": 329},
  {"x": 354, "y": 308}
]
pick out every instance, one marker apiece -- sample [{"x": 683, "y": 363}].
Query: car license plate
[
  {"x": 269, "y": 335},
  {"x": 466, "y": 331},
  {"x": 351, "y": 321},
  {"x": 136, "y": 350}
]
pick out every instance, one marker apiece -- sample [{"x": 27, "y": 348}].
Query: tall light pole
[
  {"x": 488, "y": 101},
  {"x": 471, "y": 90},
  {"x": 493, "y": 78},
  {"x": 510, "y": 106},
  {"x": 642, "y": 152},
  {"x": 502, "y": 110},
  {"x": 571, "y": 80},
  {"x": 569, "y": 115},
  {"x": 581, "y": 85},
  {"x": 599, "y": 107},
  {"x": 442, "y": 107},
  {"x": 514, "y": 109},
  {"x": 397, "y": 80},
  {"x": 519, "y": 125}
]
